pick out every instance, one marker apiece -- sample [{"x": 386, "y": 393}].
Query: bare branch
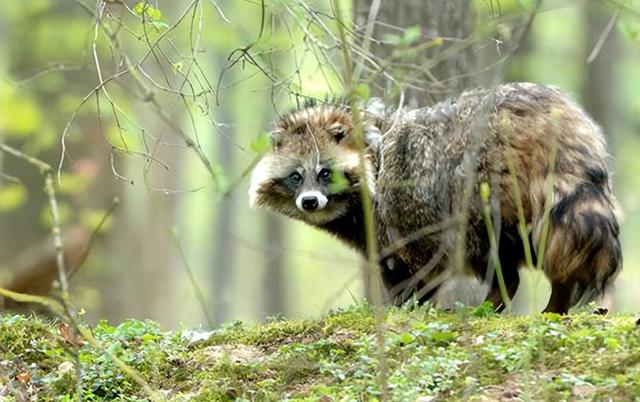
[{"x": 47, "y": 172}]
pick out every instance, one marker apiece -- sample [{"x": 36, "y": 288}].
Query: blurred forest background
[{"x": 153, "y": 113}]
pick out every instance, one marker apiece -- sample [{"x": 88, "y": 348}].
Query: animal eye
[
  {"x": 295, "y": 177},
  {"x": 324, "y": 173}
]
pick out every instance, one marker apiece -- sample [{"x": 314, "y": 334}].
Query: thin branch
[
  {"x": 603, "y": 37},
  {"x": 42, "y": 166},
  {"x": 47, "y": 172},
  {"x": 217, "y": 7},
  {"x": 9, "y": 178},
  {"x": 57, "y": 236}
]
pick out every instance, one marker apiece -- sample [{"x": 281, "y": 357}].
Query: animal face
[{"x": 313, "y": 171}]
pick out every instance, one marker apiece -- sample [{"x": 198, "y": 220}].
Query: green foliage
[
  {"x": 630, "y": 29},
  {"x": 409, "y": 36},
  {"x": 484, "y": 310},
  {"x": 11, "y": 197},
  {"x": 338, "y": 182},
  {"x": 261, "y": 143},
  {"x": 147, "y": 10},
  {"x": 40, "y": 349},
  {"x": 362, "y": 91},
  {"x": 430, "y": 353}
]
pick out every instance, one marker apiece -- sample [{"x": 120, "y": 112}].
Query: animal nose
[{"x": 309, "y": 203}]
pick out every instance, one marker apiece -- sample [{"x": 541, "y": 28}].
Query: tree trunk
[
  {"x": 428, "y": 75},
  {"x": 602, "y": 48}
]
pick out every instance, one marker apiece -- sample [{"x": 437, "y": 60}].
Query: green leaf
[
  {"x": 261, "y": 144},
  {"x": 148, "y": 10},
  {"x": 139, "y": 8},
  {"x": 362, "y": 91},
  {"x": 484, "y": 310},
  {"x": 149, "y": 337},
  {"x": 629, "y": 29},
  {"x": 391, "y": 39},
  {"x": 338, "y": 183},
  {"x": 411, "y": 35},
  {"x": 159, "y": 25},
  {"x": 553, "y": 317},
  {"x": 406, "y": 338},
  {"x": 612, "y": 343},
  {"x": 443, "y": 336}
]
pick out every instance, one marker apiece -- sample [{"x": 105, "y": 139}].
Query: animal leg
[
  {"x": 495, "y": 297},
  {"x": 560, "y": 300}
]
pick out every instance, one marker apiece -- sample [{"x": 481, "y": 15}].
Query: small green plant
[{"x": 429, "y": 353}]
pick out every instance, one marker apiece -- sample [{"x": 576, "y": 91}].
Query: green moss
[{"x": 467, "y": 354}]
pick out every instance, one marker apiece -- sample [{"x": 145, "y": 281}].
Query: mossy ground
[{"x": 467, "y": 354}]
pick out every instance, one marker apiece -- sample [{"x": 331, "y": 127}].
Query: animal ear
[
  {"x": 375, "y": 107},
  {"x": 275, "y": 137},
  {"x": 372, "y": 137},
  {"x": 339, "y": 131}
]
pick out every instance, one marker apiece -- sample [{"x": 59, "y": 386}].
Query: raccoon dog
[{"x": 423, "y": 170}]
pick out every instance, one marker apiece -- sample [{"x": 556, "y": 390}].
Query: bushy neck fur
[{"x": 350, "y": 226}]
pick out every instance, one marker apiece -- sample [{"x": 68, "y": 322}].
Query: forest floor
[{"x": 431, "y": 355}]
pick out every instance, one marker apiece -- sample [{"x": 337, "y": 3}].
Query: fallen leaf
[
  {"x": 24, "y": 377},
  {"x": 69, "y": 335}
]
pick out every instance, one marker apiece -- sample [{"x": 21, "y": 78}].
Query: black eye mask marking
[
  {"x": 324, "y": 176},
  {"x": 295, "y": 178},
  {"x": 291, "y": 182}
]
